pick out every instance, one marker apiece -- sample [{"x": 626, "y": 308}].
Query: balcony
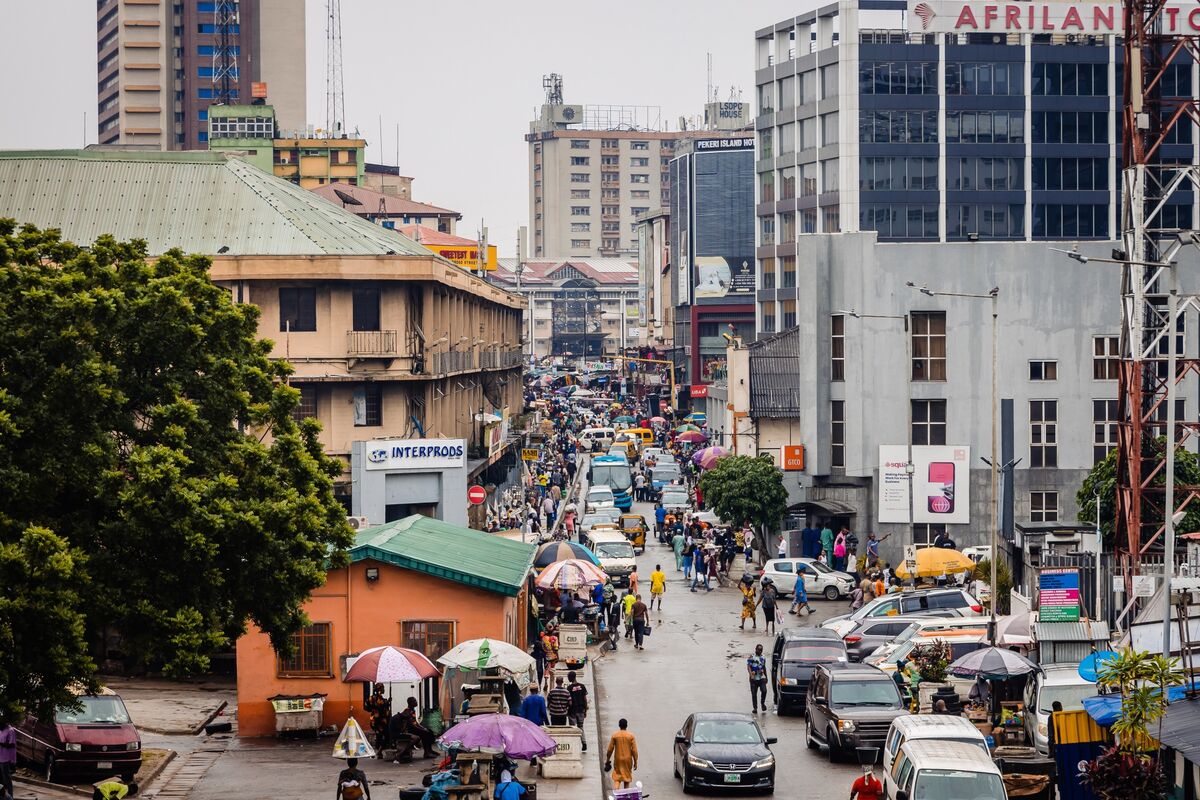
[
  {"x": 453, "y": 361},
  {"x": 500, "y": 359},
  {"x": 366, "y": 344}
]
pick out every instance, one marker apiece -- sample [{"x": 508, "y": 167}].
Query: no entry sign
[{"x": 476, "y": 494}]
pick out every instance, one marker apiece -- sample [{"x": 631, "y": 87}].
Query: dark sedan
[{"x": 724, "y": 750}]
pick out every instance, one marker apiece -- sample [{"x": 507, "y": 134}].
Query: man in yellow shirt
[{"x": 658, "y": 585}]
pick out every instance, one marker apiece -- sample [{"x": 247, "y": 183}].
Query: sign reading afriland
[
  {"x": 973, "y": 16},
  {"x": 420, "y": 454}
]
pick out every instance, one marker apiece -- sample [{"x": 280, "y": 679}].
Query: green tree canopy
[
  {"x": 154, "y": 481},
  {"x": 741, "y": 488},
  {"x": 1103, "y": 479}
]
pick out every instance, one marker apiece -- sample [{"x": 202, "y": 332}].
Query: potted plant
[{"x": 931, "y": 662}]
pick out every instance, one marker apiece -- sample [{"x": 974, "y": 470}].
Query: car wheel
[
  {"x": 831, "y": 593},
  {"x": 674, "y": 768},
  {"x": 49, "y": 769},
  {"x": 808, "y": 737},
  {"x": 835, "y": 752}
]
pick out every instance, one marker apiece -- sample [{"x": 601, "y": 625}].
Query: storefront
[{"x": 394, "y": 478}]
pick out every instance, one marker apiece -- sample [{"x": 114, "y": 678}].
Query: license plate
[
  {"x": 733, "y": 778},
  {"x": 104, "y": 765}
]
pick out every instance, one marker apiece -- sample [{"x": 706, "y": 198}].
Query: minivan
[
  {"x": 1054, "y": 682},
  {"x": 614, "y": 551},
  {"x": 796, "y": 653},
  {"x": 96, "y": 741},
  {"x": 597, "y": 438},
  {"x": 850, "y": 706},
  {"x": 932, "y": 768},
  {"x": 919, "y": 727}
]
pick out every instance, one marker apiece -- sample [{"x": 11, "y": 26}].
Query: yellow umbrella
[{"x": 933, "y": 561}]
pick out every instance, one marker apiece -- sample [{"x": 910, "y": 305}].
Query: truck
[{"x": 613, "y": 472}]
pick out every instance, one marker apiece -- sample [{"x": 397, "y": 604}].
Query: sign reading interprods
[{"x": 418, "y": 454}]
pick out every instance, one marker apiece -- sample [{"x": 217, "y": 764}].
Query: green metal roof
[
  {"x": 438, "y": 548},
  {"x": 197, "y": 201}
]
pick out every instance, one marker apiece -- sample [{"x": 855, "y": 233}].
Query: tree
[
  {"x": 1003, "y": 590},
  {"x": 1103, "y": 479},
  {"x": 149, "y": 461},
  {"x": 740, "y": 488}
]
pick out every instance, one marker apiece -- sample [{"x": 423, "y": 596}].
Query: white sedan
[
  {"x": 599, "y": 497},
  {"x": 818, "y": 578}
]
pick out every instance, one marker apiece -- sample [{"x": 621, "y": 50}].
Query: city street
[{"x": 695, "y": 661}]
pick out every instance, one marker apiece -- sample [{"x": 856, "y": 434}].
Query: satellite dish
[
  {"x": 1089, "y": 668},
  {"x": 347, "y": 198}
]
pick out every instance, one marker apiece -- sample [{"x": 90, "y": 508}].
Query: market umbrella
[
  {"x": 570, "y": 574},
  {"x": 693, "y": 437},
  {"x": 1015, "y": 629},
  {"x": 625, "y": 418},
  {"x": 993, "y": 663},
  {"x": 488, "y": 653},
  {"x": 933, "y": 561},
  {"x": 583, "y": 393},
  {"x": 550, "y": 552},
  {"x": 658, "y": 421},
  {"x": 708, "y": 457},
  {"x": 515, "y": 737},
  {"x": 698, "y": 417},
  {"x": 390, "y": 664},
  {"x": 686, "y": 427}
]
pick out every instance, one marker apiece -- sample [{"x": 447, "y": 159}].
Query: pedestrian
[
  {"x": 868, "y": 787},
  {"x": 539, "y": 658},
  {"x": 781, "y": 550},
  {"x": 558, "y": 703},
  {"x": 351, "y": 783},
  {"x": 677, "y": 542},
  {"x": 622, "y": 756},
  {"x": 800, "y": 596},
  {"x": 627, "y": 612},
  {"x": 660, "y": 517},
  {"x": 756, "y": 669},
  {"x": 697, "y": 563},
  {"x": 409, "y": 725},
  {"x": 633, "y": 581},
  {"x": 943, "y": 540},
  {"x": 579, "y": 706},
  {"x": 380, "y": 709},
  {"x": 839, "y": 550},
  {"x": 711, "y": 563},
  {"x": 688, "y": 555},
  {"x": 658, "y": 585},
  {"x": 749, "y": 602},
  {"x": 533, "y": 707},
  {"x": 767, "y": 599},
  {"x": 641, "y": 618},
  {"x": 8, "y": 757},
  {"x": 639, "y": 485},
  {"x": 509, "y": 789},
  {"x": 827, "y": 545}
]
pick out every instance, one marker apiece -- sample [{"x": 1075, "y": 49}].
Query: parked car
[
  {"x": 676, "y": 500},
  {"x": 908, "y": 602},
  {"x": 607, "y": 514},
  {"x": 928, "y": 769},
  {"x": 614, "y": 551},
  {"x": 724, "y": 750},
  {"x": 1054, "y": 682},
  {"x": 656, "y": 454},
  {"x": 797, "y": 652},
  {"x": 930, "y": 727},
  {"x": 925, "y": 625},
  {"x": 599, "y": 497},
  {"x": 850, "y": 706},
  {"x": 869, "y": 634},
  {"x": 818, "y": 578},
  {"x": 663, "y": 475},
  {"x": 96, "y": 740}
]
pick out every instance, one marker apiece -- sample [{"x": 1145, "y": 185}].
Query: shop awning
[{"x": 831, "y": 506}]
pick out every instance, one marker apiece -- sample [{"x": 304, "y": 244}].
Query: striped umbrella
[
  {"x": 550, "y": 552},
  {"x": 685, "y": 428},
  {"x": 993, "y": 663},
  {"x": 389, "y": 664},
  {"x": 570, "y": 574},
  {"x": 708, "y": 457},
  {"x": 691, "y": 437},
  {"x": 658, "y": 421}
]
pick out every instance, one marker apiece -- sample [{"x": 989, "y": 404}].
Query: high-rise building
[
  {"x": 161, "y": 64},
  {"x": 594, "y": 169}
]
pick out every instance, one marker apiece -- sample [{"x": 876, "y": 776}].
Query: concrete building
[
  {"x": 854, "y": 391},
  {"x": 585, "y": 307},
  {"x": 388, "y": 341},
  {"x": 387, "y": 179},
  {"x": 656, "y": 306},
  {"x": 159, "y": 68},
  {"x": 388, "y": 210}
]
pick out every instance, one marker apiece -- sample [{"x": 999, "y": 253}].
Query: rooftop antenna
[
  {"x": 335, "y": 103},
  {"x": 710, "y": 92},
  {"x": 224, "y": 63},
  {"x": 552, "y": 83}
]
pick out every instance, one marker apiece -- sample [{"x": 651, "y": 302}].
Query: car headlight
[
  {"x": 133, "y": 746},
  {"x": 1042, "y": 729},
  {"x": 73, "y": 747},
  {"x": 787, "y": 681},
  {"x": 763, "y": 763},
  {"x": 846, "y": 725},
  {"x": 700, "y": 762}
]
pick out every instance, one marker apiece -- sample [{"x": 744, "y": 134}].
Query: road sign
[
  {"x": 530, "y": 453},
  {"x": 476, "y": 494}
]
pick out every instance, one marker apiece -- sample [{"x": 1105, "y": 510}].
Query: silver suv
[{"x": 916, "y": 601}]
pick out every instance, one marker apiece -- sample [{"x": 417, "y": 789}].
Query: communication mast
[
  {"x": 1153, "y": 360},
  {"x": 335, "y": 103},
  {"x": 224, "y": 64}
]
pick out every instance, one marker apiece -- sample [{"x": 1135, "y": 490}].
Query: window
[
  {"x": 606, "y": 210},
  {"x": 312, "y": 653},
  {"x": 928, "y": 421},
  {"x": 766, "y": 187},
  {"x": 789, "y": 314},
  {"x": 1104, "y": 421},
  {"x": 897, "y": 77},
  {"x": 308, "y": 402},
  {"x": 1084, "y": 80},
  {"x": 767, "y": 272},
  {"x": 610, "y": 161},
  {"x": 639, "y": 162},
  {"x": 808, "y": 180},
  {"x": 639, "y": 178},
  {"x": 580, "y": 244},
  {"x": 837, "y": 434},
  {"x": 580, "y": 177},
  {"x": 639, "y": 194},
  {"x": 1043, "y": 433},
  {"x": 808, "y": 87},
  {"x": 808, "y": 220},
  {"x": 985, "y": 174},
  {"x": 637, "y": 145},
  {"x": 639, "y": 210},
  {"x": 766, "y": 143},
  {"x": 924, "y": 534},
  {"x": 767, "y": 230},
  {"x": 929, "y": 345},
  {"x": 787, "y": 227},
  {"x": 788, "y": 264},
  {"x": 987, "y": 220},
  {"x": 581, "y": 194},
  {"x": 829, "y": 129},
  {"x": 808, "y": 134},
  {"x": 610, "y": 178},
  {"x": 581, "y": 211},
  {"x": 581, "y": 144},
  {"x": 829, "y": 81},
  {"x": 766, "y": 99},
  {"x": 368, "y": 405},
  {"x": 900, "y": 220},
  {"x": 581, "y": 227},
  {"x": 837, "y": 348},
  {"x": 1055, "y": 221},
  {"x": 787, "y": 139},
  {"x": 768, "y": 317},
  {"x": 298, "y": 309},
  {"x": 787, "y": 92},
  {"x": 1069, "y": 127},
  {"x": 985, "y": 127},
  {"x": 580, "y": 161},
  {"x": 898, "y": 173},
  {"x": 609, "y": 144},
  {"x": 1004, "y": 78},
  {"x": 1043, "y": 506},
  {"x": 1106, "y": 358},
  {"x": 831, "y": 219},
  {"x": 366, "y": 308},
  {"x": 829, "y": 175},
  {"x": 887, "y": 126},
  {"x": 434, "y": 639}
]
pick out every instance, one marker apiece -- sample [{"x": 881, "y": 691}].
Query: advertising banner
[
  {"x": 421, "y": 454},
  {"x": 1058, "y": 595},
  {"x": 722, "y": 276},
  {"x": 941, "y": 484},
  {"x": 976, "y": 16}
]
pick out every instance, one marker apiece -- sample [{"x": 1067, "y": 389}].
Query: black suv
[
  {"x": 797, "y": 652},
  {"x": 850, "y": 706}
]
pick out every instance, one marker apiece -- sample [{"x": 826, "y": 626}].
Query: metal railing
[
  {"x": 453, "y": 361},
  {"x": 371, "y": 343}
]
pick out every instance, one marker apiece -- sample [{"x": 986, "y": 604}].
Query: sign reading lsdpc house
[{"x": 974, "y": 16}]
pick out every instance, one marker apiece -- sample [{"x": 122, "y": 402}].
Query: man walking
[
  {"x": 827, "y": 545},
  {"x": 677, "y": 547},
  {"x": 533, "y": 708},
  {"x": 658, "y": 585},
  {"x": 756, "y": 669},
  {"x": 799, "y": 596},
  {"x": 558, "y": 702},
  {"x": 767, "y": 600},
  {"x": 697, "y": 564},
  {"x": 688, "y": 551},
  {"x": 641, "y": 617},
  {"x": 622, "y": 756},
  {"x": 579, "y": 706}
]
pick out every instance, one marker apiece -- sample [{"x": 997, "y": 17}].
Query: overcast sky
[{"x": 462, "y": 79}]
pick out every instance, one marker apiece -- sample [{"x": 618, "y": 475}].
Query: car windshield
[
  {"x": 616, "y": 476},
  {"x": 725, "y": 731},
  {"x": 882, "y": 693},
  {"x": 666, "y": 473},
  {"x": 1071, "y": 696},
  {"x": 95, "y": 710},
  {"x": 817, "y": 566},
  {"x": 600, "y": 494},
  {"x": 813, "y": 651},
  {"x": 957, "y": 784},
  {"x": 674, "y": 497},
  {"x": 631, "y": 523},
  {"x": 614, "y": 550}
]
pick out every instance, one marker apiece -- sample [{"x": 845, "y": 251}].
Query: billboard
[
  {"x": 1058, "y": 595},
  {"x": 973, "y": 16},
  {"x": 941, "y": 484},
  {"x": 465, "y": 256},
  {"x": 718, "y": 276}
]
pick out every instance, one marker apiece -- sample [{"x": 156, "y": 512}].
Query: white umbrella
[
  {"x": 487, "y": 653},
  {"x": 584, "y": 393}
]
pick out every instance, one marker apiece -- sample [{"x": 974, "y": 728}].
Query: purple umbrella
[{"x": 516, "y": 737}]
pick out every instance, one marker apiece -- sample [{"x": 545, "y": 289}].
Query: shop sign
[
  {"x": 793, "y": 457},
  {"x": 1058, "y": 595},
  {"x": 699, "y": 391},
  {"x": 530, "y": 454},
  {"x": 1094, "y": 19},
  {"x": 417, "y": 454},
  {"x": 940, "y": 484}
]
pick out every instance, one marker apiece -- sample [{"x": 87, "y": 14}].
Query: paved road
[{"x": 695, "y": 661}]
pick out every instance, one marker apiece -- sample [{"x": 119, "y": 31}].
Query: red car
[{"x": 98, "y": 740}]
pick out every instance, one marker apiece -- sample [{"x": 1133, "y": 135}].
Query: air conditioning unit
[
  {"x": 567, "y": 115},
  {"x": 357, "y": 523}
]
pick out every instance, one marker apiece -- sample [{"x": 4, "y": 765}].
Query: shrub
[{"x": 931, "y": 661}]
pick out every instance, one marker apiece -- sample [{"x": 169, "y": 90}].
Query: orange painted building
[{"x": 417, "y": 582}]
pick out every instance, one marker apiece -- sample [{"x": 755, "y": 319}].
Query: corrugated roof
[
  {"x": 426, "y": 235},
  {"x": 448, "y": 551},
  {"x": 775, "y": 386},
  {"x": 374, "y": 202},
  {"x": 197, "y": 201},
  {"x": 1070, "y": 631},
  {"x": 1181, "y": 728}
]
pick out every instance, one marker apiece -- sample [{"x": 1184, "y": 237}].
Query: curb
[
  {"x": 216, "y": 713},
  {"x": 70, "y": 789},
  {"x": 154, "y": 773},
  {"x": 192, "y": 731}
]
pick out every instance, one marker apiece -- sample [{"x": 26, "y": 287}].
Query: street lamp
[
  {"x": 993, "y": 296},
  {"x": 909, "y": 467}
]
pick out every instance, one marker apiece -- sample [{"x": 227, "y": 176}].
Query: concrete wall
[
  {"x": 281, "y": 60},
  {"x": 376, "y": 489}
]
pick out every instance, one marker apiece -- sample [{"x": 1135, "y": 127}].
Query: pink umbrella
[
  {"x": 389, "y": 664},
  {"x": 570, "y": 573},
  {"x": 516, "y": 737},
  {"x": 708, "y": 457},
  {"x": 658, "y": 420},
  {"x": 692, "y": 437}
]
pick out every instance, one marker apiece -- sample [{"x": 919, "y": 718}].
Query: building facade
[
  {"x": 160, "y": 66},
  {"x": 388, "y": 210}
]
